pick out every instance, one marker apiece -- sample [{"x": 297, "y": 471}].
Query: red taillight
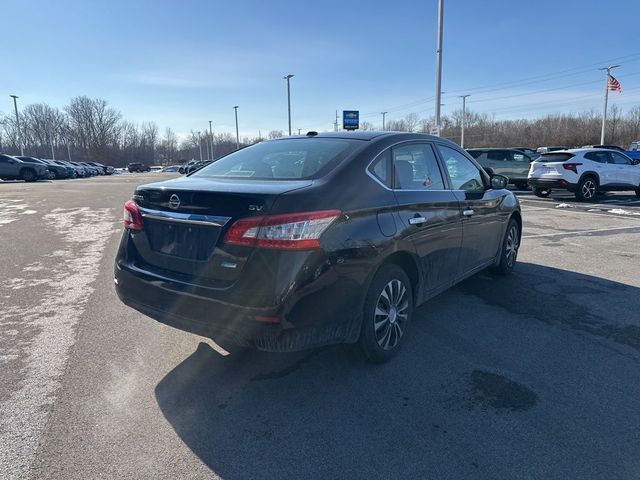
[
  {"x": 288, "y": 231},
  {"x": 571, "y": 166},
  {"x": 132, "y": 217}
]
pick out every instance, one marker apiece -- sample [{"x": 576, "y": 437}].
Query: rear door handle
[
  {"x": 417, "y": 220},
  {"x": 468, "y": 212}
]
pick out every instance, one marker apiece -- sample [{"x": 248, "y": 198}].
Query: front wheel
[
  {"x": 387, "y": 313},
  {"x": 28, "y": 175},
  {"x": 509, "y": 249},
  {"x": 587, "y": 189}
]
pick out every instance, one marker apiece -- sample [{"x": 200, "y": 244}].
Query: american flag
[{"x": 613, "y": 84}]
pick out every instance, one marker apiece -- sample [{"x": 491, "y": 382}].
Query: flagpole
[{"x": 607, "y": 71}]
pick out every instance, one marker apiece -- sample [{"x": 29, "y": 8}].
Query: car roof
[
  {"x": 367, "y": 135},
  {"x": 492, "y": 148},
  {"x": 579, "y": 150}
]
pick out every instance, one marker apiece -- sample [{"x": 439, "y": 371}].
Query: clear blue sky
[{"x": 184, "y": 63}]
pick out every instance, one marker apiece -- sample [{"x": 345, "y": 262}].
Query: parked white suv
[{"x": 584, "y": 171}]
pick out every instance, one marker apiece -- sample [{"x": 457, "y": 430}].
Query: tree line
[
  {"x": 566, "y": 129},
  {"x": 90, "y": 129}
]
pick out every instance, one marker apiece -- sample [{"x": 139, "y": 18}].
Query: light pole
[
  {"x": 607, "y": 71},
  {"x": 200, "y": 144},
  {"x": 237, "y": 135},
  {"x": 384, "y": 114},
  {"x": 15, "y": 106},
  {"x": 464, "y": 113},
  {"x": 213, "y": 143},
  {"x": 439, "y": 64},
  {"x": 53, "y": 154},
  {"x": 288, "y": 77}
]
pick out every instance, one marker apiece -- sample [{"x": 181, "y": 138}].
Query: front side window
[
  {"x": 520, "y": 157},
  {"x": 463, "y": 173},
  {"x": 619, "y": 159},
  {"x": 416, "y": 168},
  {"x": 290, "y": 159}
]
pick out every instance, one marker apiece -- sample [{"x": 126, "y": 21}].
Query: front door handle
[
  {"x": 417, "y": 220},
  {"x": 468, "y": 212}
]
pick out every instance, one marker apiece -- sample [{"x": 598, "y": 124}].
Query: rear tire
[
  {"x": 522, "y": 185},
  {"x": 28, "y": 175},
  {"x": 387, "y": 313},
  {"x": 587, "y": 189},
  {"x": 508, "y": 249},
  {"x": 541, "y": 192}
]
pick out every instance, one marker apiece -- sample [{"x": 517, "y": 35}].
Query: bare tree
[{"x": 275, "y": 134}]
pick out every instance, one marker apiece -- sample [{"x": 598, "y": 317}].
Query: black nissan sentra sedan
[{"x": 318, "y": 239}]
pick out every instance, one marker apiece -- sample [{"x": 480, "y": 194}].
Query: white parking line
[{"x": 582, "y": 232}]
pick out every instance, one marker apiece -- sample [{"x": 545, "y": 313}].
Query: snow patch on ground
[
  {"x": 50, "y": 325},
  {"x": 11, "y": 209}
]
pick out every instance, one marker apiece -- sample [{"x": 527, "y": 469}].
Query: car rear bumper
[
  {"x": 325, "y": 310},
  {"x": 552, "y": 183}
]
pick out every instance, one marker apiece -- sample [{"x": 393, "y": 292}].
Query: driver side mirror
[{"x": 499, "y": 182}]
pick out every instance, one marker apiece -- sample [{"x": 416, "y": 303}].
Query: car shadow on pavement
[{"x": 453, "y": 404}]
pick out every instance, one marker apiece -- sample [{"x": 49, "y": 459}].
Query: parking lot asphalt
[{"x": 534, "y": 375}]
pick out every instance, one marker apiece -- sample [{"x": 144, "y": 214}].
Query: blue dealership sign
[{"x": 350, "y": 119}]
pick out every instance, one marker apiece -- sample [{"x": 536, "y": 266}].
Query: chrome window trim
[{"x": 191, "y": 218}]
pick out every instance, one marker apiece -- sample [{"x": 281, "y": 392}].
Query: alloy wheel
[
  {"x": 512, "y": 246},
  {"x": 391, "y": 314},
  {"x": 588, "y": 189}
]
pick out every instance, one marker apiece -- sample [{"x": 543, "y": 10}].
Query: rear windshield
[
  {"x": 554, "y": 157},
  {"x": 296, "y": 158}
]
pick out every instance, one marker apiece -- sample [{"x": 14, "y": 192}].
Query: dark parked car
[
  {"x": 138, "y": 167},
  {"x": 106, "y": 169},
  {"x": 512, "y": 163},
  {"x": 299, "y": 242},
  {"x": 62, "y": 171},
  {"x": 54, "y": 171},
  {"x": 83, "y": 171},
  {"x": 73, "y": 170},
  {"x": 12, "y": 168}
]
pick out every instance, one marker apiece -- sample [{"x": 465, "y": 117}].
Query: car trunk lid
[{"x": 185, "y": 222}]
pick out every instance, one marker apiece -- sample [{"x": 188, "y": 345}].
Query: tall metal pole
[
  {"x": 15, "y": 106},
  {"x": 464, "y": 116},
  {"x": 238, "y": 136},
  {"x": 200, "y": 144},
  {"x": 384, "y": 114},
  {"x": 68, "y": 150},
  {"x": 439, "y": 64},
  {"x": 213, "y": 143},
  {"x": 287, "y": 78},
  {"x": 607, "y": 71},
  {"x": 53, "y": 155},
  {"x": 335, "y": 125}
]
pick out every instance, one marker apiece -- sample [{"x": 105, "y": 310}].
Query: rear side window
[
  {"x": 380, "y": 169},
  {"x": 498, "y": 155},
  {"x": 600, "y": 157},
  {"x": 416, "y": 168},
  {"x": 289, "y": 159}
]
